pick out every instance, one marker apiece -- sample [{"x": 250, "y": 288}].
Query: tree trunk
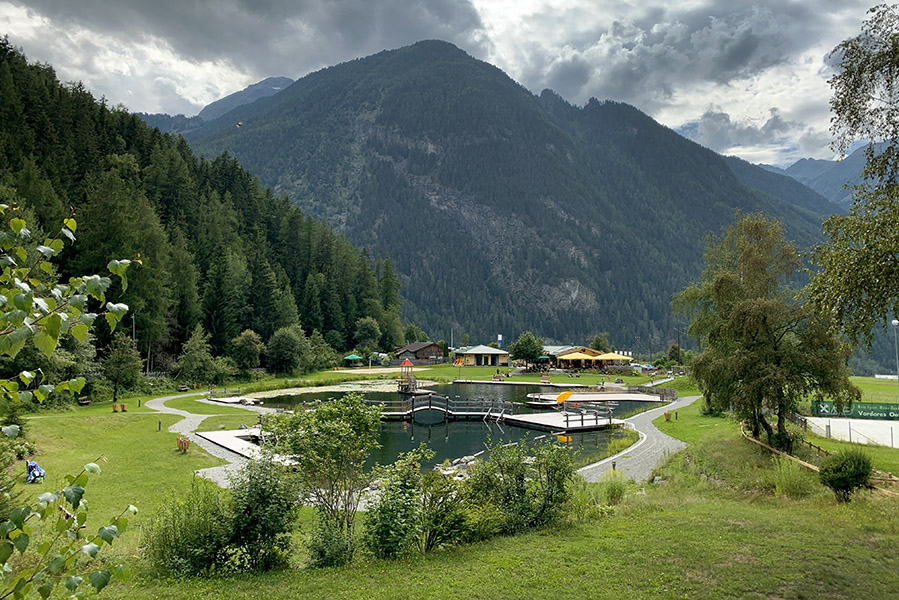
[
  {"x": 784, "y": 441},
  {"x": 772, "y": 439},
  {"x": 115, "y": 391}
]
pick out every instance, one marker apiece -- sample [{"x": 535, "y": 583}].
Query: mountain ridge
[{"x": 571, "y": 219}]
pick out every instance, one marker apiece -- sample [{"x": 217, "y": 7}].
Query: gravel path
[
  {"x": 638, "y": 461},
  {"x": 187, "y": 427}
]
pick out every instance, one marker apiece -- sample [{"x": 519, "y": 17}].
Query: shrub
[
  {"x": 530, "y": 491},
  {"x": 482, "y": 521},
  {"x": 845, "y": 472},
  {"x": 501, "y": 480},
  {"x": 190, "y": 533},
  {"x": 441, "y": 512},
  {"x": 264, "y": 503},
  {"x": 613, "y": 487},
  {"x": 329, "y": 545},
  {"x": 391, "y": 525},
  {"x": 553, "y": 469},
  {"x": 790, "y": 480}
]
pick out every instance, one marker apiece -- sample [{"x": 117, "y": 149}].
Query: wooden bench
[
  {"x": 183, "y": 444},
  {"x": 84, "y": 401},
  {"x": 544, "y": 379}
]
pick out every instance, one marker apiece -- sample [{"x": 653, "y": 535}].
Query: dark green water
[{"x": 455, "y": 439}]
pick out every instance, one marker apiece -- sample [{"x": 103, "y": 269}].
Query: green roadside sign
[{"x": 859, "y": 410}]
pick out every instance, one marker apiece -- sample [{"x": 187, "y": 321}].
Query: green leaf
[
  {"x": 77, "y": 384},
  {"x": 17, "y": 224},
  {"x": 45, "y": 342},
  {"x": 47, "y": 268},
  {"x": 132, "y": 509},
  {"x": 68, "y": 233},
  {"x": 99, "y": 579},
  {"x": 45, "y": 590},
  {"x": 73, "y": 494},
  {"x": 90, "y": 549},
  {"x": 21, "y": 543},
  {"x": 108, "y": 534},
  {"x": 118, "y": 309},
  {"x": 72, "y": 583},
  {"x": 46, "y": 251},
  {"x": 10, "y": 431},
  {"x": 45, "y": 389},
  {"x": 53, "y": 325},
  {"x": 121, "y": 524},
  {"x": 57, "y": 564},
  {"x": 70, "y": 223},
  {"x": 57, "y": 245},
  {"x": 79, "y": 331},
  {"x": 96, "y": 286},
  {"x": 49, "y": 497},
  {"x": 92, "y": 468},
  {"x": 25, "y": 397},
  {"x": 27, "y": 377},
  {"x": 18, "y": 516},
  {"x": 122, "y": 572},
  {"x": 6, "y": 550}
]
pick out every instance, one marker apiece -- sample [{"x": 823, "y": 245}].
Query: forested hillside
[
  {"x": 217, "y": 248},
  {"x": 504, "y": 211}
]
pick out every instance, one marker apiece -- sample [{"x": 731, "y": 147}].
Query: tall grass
[{"x": 790, "y": 480}]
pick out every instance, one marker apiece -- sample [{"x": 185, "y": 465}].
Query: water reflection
[{"x": 454, "y": 439}]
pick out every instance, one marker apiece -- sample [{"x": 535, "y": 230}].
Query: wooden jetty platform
[
  {"x": 616, "y": 396},
  {"x": 571, "y": 416}
]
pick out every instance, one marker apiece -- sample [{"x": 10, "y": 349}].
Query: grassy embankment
[{"x": 709, "y": 528}]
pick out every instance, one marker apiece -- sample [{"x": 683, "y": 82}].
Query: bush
[
  {"x": 553, "y": 469},
  {"x": 501, "y": 481},
  {"x": 845, "y": 472},
  {"x": 190, "y": 533},
  {"x": 329, "y": 545},
  {"x": 613, "y": 487},
  {"x": 790, "y": 480},
  {"x": 264, "y": 505},
  {"x": 391, "y": 525},
  {"x": 530, "y": 491},
  {"x": 442, "y": 517}
]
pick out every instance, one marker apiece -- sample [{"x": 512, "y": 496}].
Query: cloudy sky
[{"x": 741, "y": 78}]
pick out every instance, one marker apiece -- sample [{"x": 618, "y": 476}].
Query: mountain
[
  {"x": 832, "y": 179},
  {"x": 504, "y": 211},
  {"x": 261, "y": 89},
  {"x": 217, "y": 248},
  {"x": 169, "y": 123},
  {"x": 781, "y": 186},
  {"x": 181, "y": 124}
]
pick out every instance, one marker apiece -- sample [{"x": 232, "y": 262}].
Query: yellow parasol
[{"x": 563, "y": 397}]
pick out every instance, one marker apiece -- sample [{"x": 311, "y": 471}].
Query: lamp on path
[{"x": 896, "y": 342}]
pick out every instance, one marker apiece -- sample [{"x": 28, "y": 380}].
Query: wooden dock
[
  {"x": 569, "y": 417},
  {"x": 599, "y": 397}
]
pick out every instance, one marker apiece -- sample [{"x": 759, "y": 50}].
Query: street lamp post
[{"x": 896, "y": 343}]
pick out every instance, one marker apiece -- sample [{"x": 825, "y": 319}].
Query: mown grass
[
  {"x": 709, "y": 527},
  {"x": 191, "y": 405},
  {"x": 877, "y": 390}
]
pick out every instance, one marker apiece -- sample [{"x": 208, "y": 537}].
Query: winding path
[
  {"x": 638, "y": 461},
  {"x": 188, "y": 426}
]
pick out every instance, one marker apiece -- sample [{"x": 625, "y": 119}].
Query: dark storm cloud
[
  {"x": 718, "y": 131},
  {"x": 643, "y": 60},
  {"x": 274, "y": 37}
]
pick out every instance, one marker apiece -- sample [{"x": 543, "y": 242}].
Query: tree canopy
[
  {"x": 763, "y": 349},
  {"x": 857, "y": 282},
  {"x": 527, "y": 347}
]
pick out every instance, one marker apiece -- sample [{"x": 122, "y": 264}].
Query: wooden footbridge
[{"x": 570, "y": 416}]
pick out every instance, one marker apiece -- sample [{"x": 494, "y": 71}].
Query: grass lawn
[
  {"x": 877, "y": 390},
  {"x": 447, "y": 372},
  {"x": 191, "y": 405},
  {"x": 710, "y": 527}
]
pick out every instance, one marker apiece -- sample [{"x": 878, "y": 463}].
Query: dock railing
[{"x": 454, "y": 407}]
